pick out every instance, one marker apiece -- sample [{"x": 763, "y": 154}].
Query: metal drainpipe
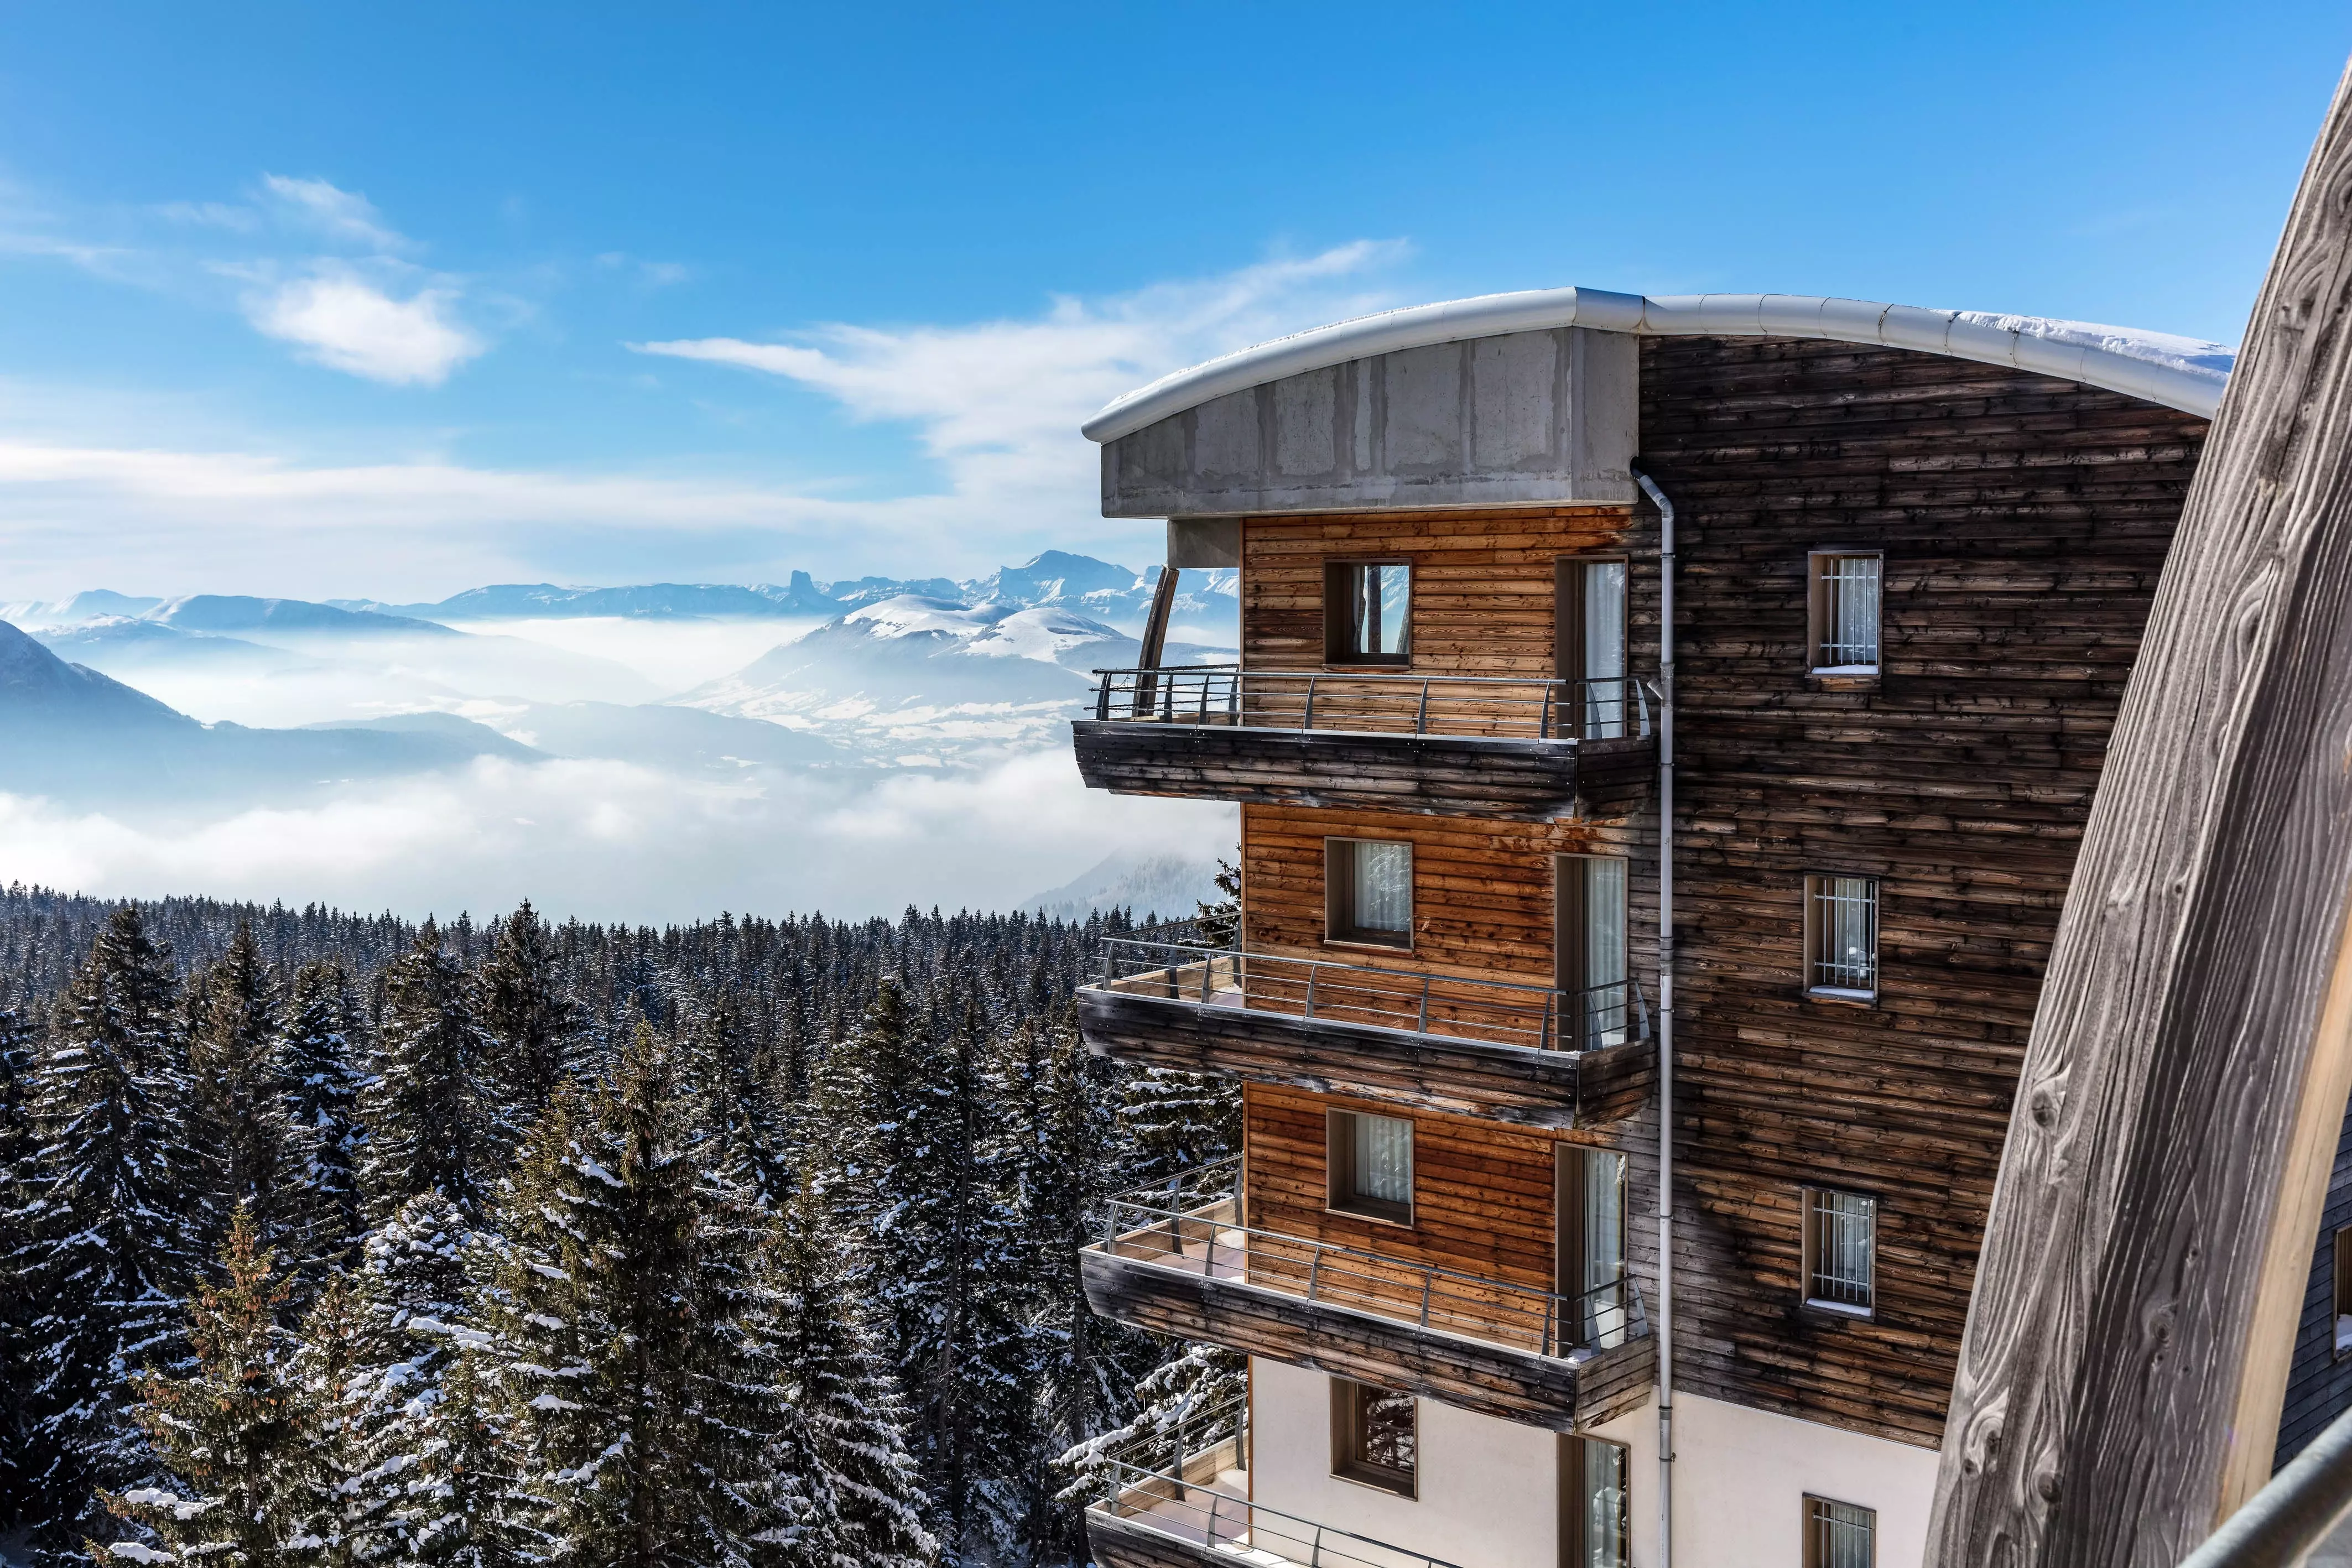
[{"x": 1666, "y": 1329}]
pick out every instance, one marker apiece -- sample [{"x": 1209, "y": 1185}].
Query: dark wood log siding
[
  {"x": 2024, "y": 522},
  {"x": 1532, "y": 1087},
  {"x": 1534, "y": 780},
  {"x": 1389, "y": 1352},
  {"x": 2318, "y": 1385},
  {"x": 1115, "y": 1543}
]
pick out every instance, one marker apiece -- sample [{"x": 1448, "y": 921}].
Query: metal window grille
[
  {"x": 1848, "y": 597},
  {"x": 1841, "y": 1237},
  {"x": 1843, "y": 917},
  {"x": 1840, "y": 1535}
]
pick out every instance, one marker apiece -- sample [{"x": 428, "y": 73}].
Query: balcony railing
[
  {"x": 1227, "y": 1528},
  {"x": 1195, "y": 1224},
  {"x": 1499, "y": 707},
  {"x": 1161, "y": 962}
]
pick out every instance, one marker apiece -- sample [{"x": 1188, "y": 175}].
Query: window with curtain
[
  {"x": 1369, "y": 891},
  {"x": 1840, "y": 1534},
  {"x": 1845, "y": 612},
  {"x": 1588, "y": 937},
  {"x": 1592, "y": 612},
  {"x": 1596, "y": 1518},
  {"x": 1840, "y": 1246},
  {"x": 1367, "y": 612},
  {"x": 1371, "y": 1164},
  {"x": 1842, "y": 936},
  {"x": 1375, "y": 1436},
  {"x": 1589, "y": 1196}
]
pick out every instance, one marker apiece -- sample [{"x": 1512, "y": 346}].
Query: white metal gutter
[{"x": 2174, "y": 381}]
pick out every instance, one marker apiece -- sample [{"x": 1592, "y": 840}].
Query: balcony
[
  {"x": 1181, "y": 1261},
  {"x": 1519, "y": 1053},
  {"x": 1164, "y": 1520},
  {"x": 1451, "y": 746}
]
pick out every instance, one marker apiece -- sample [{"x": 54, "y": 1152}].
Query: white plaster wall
[
  {"x": 1741, "y": 1476},
  {"x": 1489, "y": 1488}
]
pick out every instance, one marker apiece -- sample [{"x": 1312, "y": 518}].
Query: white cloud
[
  {"x": 999, "y": 403},
  {"x": 614, "y": 841},
  {"x": 342, "y": 321},
  {"x": 340, "y": 215}
]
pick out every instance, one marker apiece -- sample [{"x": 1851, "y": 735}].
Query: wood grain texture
[
  {"x": 1530, "y": 780},
  {"x": 1392, "y": 1066},
  {"x": 2024, "y": 523},
  {"x": 1115, "y": 1543},
  {"x": 2126, "y": 1352},
  {"x": 1493, "y": 1380}
]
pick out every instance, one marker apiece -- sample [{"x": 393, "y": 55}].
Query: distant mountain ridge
[{"x": 1101, "y": 589}]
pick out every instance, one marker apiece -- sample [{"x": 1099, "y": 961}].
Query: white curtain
[
  {"x": 1383, "y": 887},
  {"x": 1384, "y": 1158},
  {"x": 1604, "y": 649}
]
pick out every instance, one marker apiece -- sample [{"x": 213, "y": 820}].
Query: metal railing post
[
  {"x": 1314, "y": 1272},
  {"x": 1424, "y": 1005},
  {"x": 1421, "y": 715},
  {"x": 1427, "y": 1280},
  {"x": 1543, "y": 715},
  {"x": 1102, "y": 699},
  {"x": 1311, "y": 970},
  {"x": 1307, "y": 720}
]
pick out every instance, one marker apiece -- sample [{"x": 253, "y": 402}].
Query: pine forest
[{"x": 333, "y": 1240}]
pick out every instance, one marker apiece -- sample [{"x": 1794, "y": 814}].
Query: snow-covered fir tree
[
  {"x": 18, "y": 1497},
  {"x": 231, "y": 1434},
  {"x": 428, "y": 1108},
  {"x": 254, "y": 1158},
  {"x": 533, "y": 1022},
  {"x": 318, "y": 1061},
  {"x": 412, "y": 1306},
  {"x": 862, "y": 1492},
  {"x": 644, "y": 1422},
  {"x": 914, "y": 1366},
  {"x": 110, "y": 1256}
]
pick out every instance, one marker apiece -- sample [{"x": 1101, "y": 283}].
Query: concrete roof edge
[{"x": 1860, "y": 322}]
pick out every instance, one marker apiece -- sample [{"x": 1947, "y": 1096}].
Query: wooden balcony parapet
[
  {"x": 1529, "y": 750},
  {"x": 1515, "y": 1053},
  {"x": 1565, "y": 1364}
]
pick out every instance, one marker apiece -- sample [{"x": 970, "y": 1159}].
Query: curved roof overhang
[{"x": 2176, "y": 372}]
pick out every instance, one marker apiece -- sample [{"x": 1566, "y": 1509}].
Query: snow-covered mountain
[{"x": 913, "y": 675}]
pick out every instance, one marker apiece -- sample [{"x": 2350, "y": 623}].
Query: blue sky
[{"x": 344, "y": 300}]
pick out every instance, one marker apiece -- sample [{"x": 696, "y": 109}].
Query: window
[
  {"x": 1367, "y": 612},
  {"x": 1838, "y": 1534},
  {"x": 1589, "y": 1207},
  {"x": 1375, "y": 1436},
  {"x": 1367, "y": 1165},
  {"x": 1589, "y": 952},
  {"x": 1843, "y": 613},
  {"x": 1367, "y": 891},
  {"x": 1840, "y": 1250},
  {"x": 1841, "y": 938},
  {"x": 2343, "y": 1292},
  {"x": 1596, "y": 1522},
  {"x": 1589, "y": 628}
]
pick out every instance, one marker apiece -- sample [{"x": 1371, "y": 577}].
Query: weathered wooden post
[{"x": 2127, "y": 1343}]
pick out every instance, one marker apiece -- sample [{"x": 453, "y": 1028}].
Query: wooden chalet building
[{"x": 1911, "y": 554}]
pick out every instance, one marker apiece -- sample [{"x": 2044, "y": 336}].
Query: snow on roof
[{"x": 2180, "y": 372}]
